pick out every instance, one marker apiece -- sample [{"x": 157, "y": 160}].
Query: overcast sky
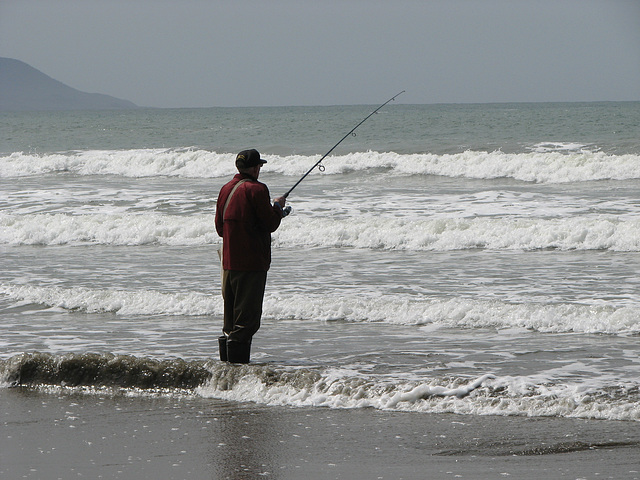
[{"x": 201, "y": 53}]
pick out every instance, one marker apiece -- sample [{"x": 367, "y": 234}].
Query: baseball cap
[{"x": 249, "y": 158}]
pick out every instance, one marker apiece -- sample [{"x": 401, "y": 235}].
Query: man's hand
[{"x": 280, "y": 203}]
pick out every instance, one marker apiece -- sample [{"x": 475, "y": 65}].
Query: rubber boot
[
  {"x": 238, "y": 352},
  {"x": 222, "y": 345}
]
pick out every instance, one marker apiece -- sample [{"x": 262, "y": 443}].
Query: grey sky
[{"x": 199, "y": 53}]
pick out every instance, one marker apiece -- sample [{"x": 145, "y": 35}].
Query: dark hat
[{"x": 249, "y": 158}]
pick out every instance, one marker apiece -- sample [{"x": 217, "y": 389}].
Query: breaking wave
[
  {"x": 102, "y": 370},
  {"x": 540, "y": 165},
  {"x": 600, "y": 232},
  {"x": 600, "y": 318},
  {"x": 316, "y": 387}
]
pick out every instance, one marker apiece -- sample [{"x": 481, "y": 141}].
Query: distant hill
[{"x": 24, "y": 88}]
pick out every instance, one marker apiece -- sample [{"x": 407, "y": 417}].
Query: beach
[{"x": 64, "y": 434}]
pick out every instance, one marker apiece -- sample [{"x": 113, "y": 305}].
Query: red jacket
[{"x": 247, "y": 225}]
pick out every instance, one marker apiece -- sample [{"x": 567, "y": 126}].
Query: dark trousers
[{"x": 243, "y": 293}]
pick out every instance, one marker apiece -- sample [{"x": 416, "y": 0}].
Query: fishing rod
[{"x": 319, "y": 162}]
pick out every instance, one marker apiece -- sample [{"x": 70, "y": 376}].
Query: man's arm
[{"x": 268, "y": 215}]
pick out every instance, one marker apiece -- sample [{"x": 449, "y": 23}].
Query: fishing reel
[{"x": 285, "y": 211}]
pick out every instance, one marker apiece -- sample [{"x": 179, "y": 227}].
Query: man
[{"x": 245, "y": 220}]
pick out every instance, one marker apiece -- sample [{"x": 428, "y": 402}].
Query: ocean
[{"x": 475, "y": 262}]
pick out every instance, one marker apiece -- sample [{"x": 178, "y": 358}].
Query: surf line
[{"x": 351, "y": 132}]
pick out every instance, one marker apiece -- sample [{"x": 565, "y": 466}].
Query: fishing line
[{"x": 351, "y": 132}]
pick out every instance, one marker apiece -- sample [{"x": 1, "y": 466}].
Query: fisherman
[{"x": 245, "y": 219}]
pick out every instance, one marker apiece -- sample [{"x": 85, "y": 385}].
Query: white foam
[
  {"x": 599, "y": 232},
  {"x": 551, "y": 167},
  {"x": 597, "y": 318},
  {"x": 545, "y": 147},
  {"x": 105, "y": 229},
  {"x": 445, "y": 234},
  {"x": 340, "y": 388},
  {"x": 602, "y": 317},
  {"x": 540, "y": 165},
  {"x": 127, "y": 163},
  {"x": 335, "y": 388},
  {"x": 144, "y": 302}
]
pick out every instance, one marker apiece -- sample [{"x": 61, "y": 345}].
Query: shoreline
[{"x": 59, "y": 435}]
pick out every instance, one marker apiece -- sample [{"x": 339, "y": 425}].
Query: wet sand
[{"x": 61, "y": 434}]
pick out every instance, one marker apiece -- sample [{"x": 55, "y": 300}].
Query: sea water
[{"x": 475, "y": 259}]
